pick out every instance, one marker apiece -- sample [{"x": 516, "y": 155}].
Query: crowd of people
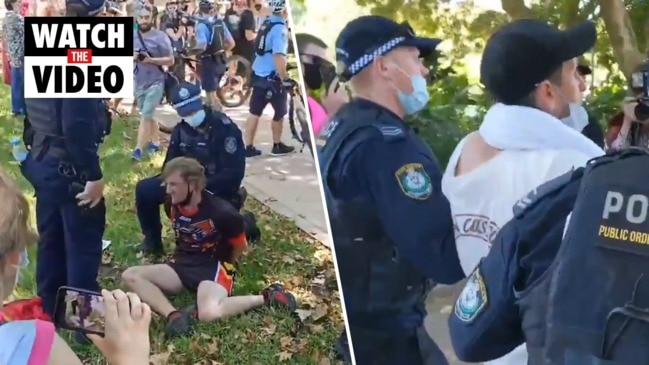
[
  {"x": 199, "y": 186},
  {"x": 533, "y": 173}
]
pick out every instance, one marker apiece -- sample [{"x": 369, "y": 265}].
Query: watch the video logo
[{"x": 70, "y": 57}]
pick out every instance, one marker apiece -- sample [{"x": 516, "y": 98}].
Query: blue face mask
[
  {"x": 196, "y": 119},
  {"x": 417, "y": 100}
]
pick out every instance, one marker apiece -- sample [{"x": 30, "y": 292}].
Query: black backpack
[
  {"x": 260, "y": 41},
  {"x": 217, "y": 33}
]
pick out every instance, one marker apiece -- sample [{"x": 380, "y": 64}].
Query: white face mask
[{"x": 578, "y": 118}]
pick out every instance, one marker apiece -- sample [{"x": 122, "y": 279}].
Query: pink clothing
[
  {"x": 318, "y": 115},
  {"x": 42, "y": 344},
  {"x": 26, "y": 342}
]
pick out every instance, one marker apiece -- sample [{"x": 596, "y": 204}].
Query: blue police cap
[
  {"x": 370, "y": 36},
  {"x": 186, "y": 99},
  {"x": 93, "y": 7}
]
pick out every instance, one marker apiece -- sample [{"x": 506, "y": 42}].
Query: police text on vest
[{"x": 69, "y": 57}]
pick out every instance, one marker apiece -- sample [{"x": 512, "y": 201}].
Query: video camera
[{"x": 640, "y": 82}]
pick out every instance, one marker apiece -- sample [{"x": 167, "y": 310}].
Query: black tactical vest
[
  {"x": 216, "y": 42},
  {"x": 262, "y": 35},
  {"x": 375, "y": 281},
  {"x": 543, "y": 208},
  {"x": 196, "y": 144},
  {"x": 598, "y": 308}
]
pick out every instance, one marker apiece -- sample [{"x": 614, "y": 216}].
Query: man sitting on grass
[{"x": 210, "y": 238}]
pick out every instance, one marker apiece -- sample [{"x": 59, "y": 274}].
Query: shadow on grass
[{"x": 286, "y": 255}]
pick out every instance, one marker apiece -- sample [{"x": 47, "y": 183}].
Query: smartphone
[
  {"x": 80, "y": 310},
  {"x": 328, "y": 73}
]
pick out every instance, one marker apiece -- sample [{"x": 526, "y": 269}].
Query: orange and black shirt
[{"x": 207, "y": 233}]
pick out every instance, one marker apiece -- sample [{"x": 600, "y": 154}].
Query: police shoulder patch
[
  {"x": 390, "y": 133},
  {"x": 414, "y": 181},
  {"x": 473, "y": 299},
  {"x": 230, "y": 145},
  {"x": 540, "y": 192}
]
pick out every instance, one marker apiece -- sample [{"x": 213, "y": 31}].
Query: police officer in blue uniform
[
  {"x": 566, "y": 275},
  {"x": 270, "y": 79},
  {"x": 210, "y": 137},
  {"x": 510, "y": 298},
  {"x": 63, "y": 136},
  {"x": 391, "y": 225},
  {"x": 213, "y": 39}
]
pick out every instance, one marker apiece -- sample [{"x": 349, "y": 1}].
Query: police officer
[
  {"x": 203, "y": 134},
  {"x": 214, "y": 39},
  {"x": 63, "y": 136},
  {"x": 577, "y": 301},
  {"x": 270, "y": 79},
  {"x": 391, "y": 225},
  {"x": 505, "y": 300}
]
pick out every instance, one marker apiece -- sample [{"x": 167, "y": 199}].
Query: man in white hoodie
[{"x": 529, "y": 67}]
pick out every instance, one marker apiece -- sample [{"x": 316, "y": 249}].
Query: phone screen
[{"x": 80, "y": 310}]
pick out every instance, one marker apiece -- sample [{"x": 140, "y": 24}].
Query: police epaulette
[
  {"x": 390, "y": 133},
  {"x": 534, "y": 196}
]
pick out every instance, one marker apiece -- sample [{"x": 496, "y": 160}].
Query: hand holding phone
[{"x": 116, "y": 322}]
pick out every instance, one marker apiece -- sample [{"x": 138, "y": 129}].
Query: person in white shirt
[{"x": 525, "y": 138}]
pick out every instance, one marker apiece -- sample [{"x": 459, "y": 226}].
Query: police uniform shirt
[
  {"x": 225, "y": 147},
  {"x": 486, "y": 322},
  {"x": 276, "y": 42},
  {"x": 397, "y": 171}
]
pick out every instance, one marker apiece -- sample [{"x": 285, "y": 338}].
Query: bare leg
[
  {"x": 213, "y": 303},
  {"x": 277, "y": 127},
  {"x": 250, "y": 130},
  {"x": 149, "y": 282},
  {"x": 143, "y": 133}
]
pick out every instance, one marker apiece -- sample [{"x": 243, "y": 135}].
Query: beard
[{"x": 144, "y": 27}]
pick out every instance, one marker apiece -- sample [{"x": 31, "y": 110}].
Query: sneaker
[
  {"x": 251, "y": 151},
  {"x": 152, "y": 148},
  {"x": 179, "y": 323},
  {"x": 281, "y": 149},
  {"x": 276, "y": 296},
  {"x": 137, "y": 154}
]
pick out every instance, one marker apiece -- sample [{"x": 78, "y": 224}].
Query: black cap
[
  {"x": 370, "y": 36},
  {"x": 525, "y": 52}
]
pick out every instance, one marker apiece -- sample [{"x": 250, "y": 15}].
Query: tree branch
[
  {"x": 621, "y": 34},
  {"x": 516, "y": 9}
]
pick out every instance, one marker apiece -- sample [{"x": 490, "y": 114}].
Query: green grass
[{"x": 286, "y": 255}]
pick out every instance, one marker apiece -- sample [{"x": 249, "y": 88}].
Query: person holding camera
[
  {"x": 151, "y": 51},
  {"x": 174, "y": 23},
  {"x": 628, "y": 128}
]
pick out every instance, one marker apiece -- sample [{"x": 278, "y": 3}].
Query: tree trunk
[
  {"x": 621, "y": 35},
  {"x": 516, "y": 9}
]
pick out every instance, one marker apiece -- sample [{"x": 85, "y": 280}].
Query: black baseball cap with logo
[
  {"x": 525, "y": 52},
  {"x": 371, "y": 36}
]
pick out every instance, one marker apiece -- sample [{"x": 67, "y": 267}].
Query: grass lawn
[{"x": 286, "y": 255}]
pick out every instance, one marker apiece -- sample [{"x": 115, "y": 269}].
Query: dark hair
[
  {"x": 556, "y": 77},
  {"x": 304, "y": 39},
  {"x": 9, "y": 4},
  {"x": 76, "y": 10}
]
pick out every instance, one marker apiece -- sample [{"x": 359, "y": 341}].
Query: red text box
[{"x": 79, "y": 56}]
